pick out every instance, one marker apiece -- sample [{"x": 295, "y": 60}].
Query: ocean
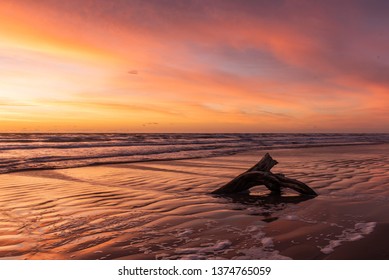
[{"x": 30, "y": 151}]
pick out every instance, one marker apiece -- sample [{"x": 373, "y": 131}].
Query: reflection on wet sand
[{"x": 163, "y": 210}]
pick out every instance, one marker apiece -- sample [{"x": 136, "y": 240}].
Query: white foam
[
  {"x": 267, "y": 242},
  {"x": 260, "y": 253},
  {"x": 266, "y": 249},
  {"x": 365, "y": 228},
  {"x": 349, "y": 235},
  {"x": 201, "y": 252},
  {"x": 293, "y": 217}
]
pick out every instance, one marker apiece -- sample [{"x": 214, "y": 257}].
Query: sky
[{"x": 194, "y": 66}]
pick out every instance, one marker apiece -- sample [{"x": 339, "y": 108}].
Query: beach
[{"x": 164, "y": 210}]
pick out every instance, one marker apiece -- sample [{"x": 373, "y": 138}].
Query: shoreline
[
  {"x": 163, "y": 209},
  {"x": 267, "y": 149}
]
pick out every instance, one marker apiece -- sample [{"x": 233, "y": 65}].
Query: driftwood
[{"x": 260, "y": 174}]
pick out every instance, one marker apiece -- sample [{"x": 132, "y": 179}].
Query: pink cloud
[{"x": 317, "y": 60}]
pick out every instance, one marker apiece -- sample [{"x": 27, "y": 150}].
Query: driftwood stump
[{"x": 260, "y": 174}]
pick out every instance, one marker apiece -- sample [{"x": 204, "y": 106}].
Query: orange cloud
[{"x": 193, "y": 66}]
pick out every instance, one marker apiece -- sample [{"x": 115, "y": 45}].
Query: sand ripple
[{"x": 162, "y": 210}]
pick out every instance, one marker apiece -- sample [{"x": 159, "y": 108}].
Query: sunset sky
[{"x": 194, "y": 66}]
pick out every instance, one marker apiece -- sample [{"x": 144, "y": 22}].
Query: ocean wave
[{"x": 40, "y": 151}]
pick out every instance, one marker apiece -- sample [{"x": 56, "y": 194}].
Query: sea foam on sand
[
  {"x": 351, "y": 234},
  {"x": 164, "y": 210}
]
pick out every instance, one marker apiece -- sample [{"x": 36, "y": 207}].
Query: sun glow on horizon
[{"x": 219, "y": 66}]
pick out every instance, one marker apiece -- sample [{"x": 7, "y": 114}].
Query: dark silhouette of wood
[
  {"x": 265, "y": 164},
  {"x": 260, "y": 174}
]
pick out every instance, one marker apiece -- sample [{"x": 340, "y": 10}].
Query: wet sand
[{"x": 163, "y": 210}]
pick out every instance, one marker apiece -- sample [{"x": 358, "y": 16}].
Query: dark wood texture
[{"x": 260, "y": 174}]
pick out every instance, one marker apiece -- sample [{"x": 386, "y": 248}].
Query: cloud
[
  {"x": 303, "y": 61},
  {"x": 150, "y": 124},
  {"x": 6, "y": 102},
  {"x": 111, "y": 107}
]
